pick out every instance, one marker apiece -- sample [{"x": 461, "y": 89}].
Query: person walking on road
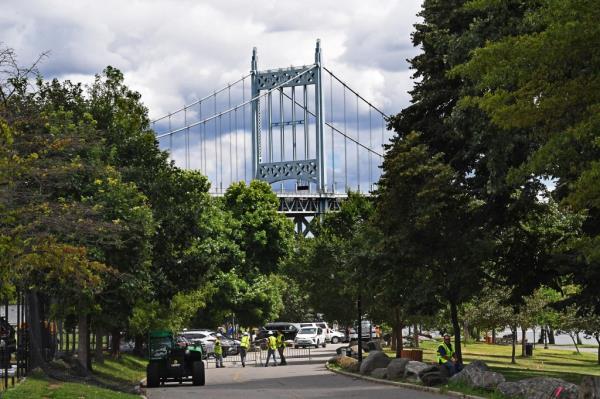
[
  {"x": 244, "y": 346},
  {"x": 281, "y": 347},
  {"x": 271, "y": 348},
  {"x": 218, "y": 351}
]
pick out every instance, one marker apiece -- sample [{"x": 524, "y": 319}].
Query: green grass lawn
[
  {"x": 567, "y": 365},
  {"x": 125, "y": 372}
]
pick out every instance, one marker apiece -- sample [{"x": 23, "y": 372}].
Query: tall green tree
[
  {"x": 430, "y": 227},
  {"x": 546, "y": 83}
]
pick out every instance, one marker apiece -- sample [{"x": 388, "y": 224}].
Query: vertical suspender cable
[
  {"x": 170, "y": 139},
  {"x": 345, "y": 145},
  {"x": 187, "y": 139},
  {"x": 332, "y": 138},
  {"x": 229, "y": 136},
  {"x": 216, "y": 147},
  {"x": 220, "y": 154},
  {"x": 237, "y": 178},
  {"x": 202, "y": 138},
  {"x": 244, "y": 126},
  {"x": 357, "y": 148},
  {"x": 370, "y": 155}
]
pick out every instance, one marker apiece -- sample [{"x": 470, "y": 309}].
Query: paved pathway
[{"x": 301, "y": 378}]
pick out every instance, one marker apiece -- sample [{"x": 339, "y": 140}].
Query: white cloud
[{"x": 174, "y": 52}]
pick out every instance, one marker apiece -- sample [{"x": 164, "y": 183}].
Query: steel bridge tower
[{"x": 307, "y": 168}]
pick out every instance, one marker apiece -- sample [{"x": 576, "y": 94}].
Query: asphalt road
[{"x": 301, "y": 378}]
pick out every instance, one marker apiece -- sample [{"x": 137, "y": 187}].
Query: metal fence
[
  {"x": 14, "y": 341},
  {"x": 258, "y": 356}
]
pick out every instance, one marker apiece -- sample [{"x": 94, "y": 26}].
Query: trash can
[{"x": 528, "y": 349}]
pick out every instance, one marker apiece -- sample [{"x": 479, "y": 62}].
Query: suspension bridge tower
[{"x": 301, "y": 129}]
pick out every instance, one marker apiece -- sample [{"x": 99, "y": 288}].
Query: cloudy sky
[{"x": 175, "y": 51}]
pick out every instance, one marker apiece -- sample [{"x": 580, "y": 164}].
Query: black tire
[
  {"x": 198, "y": 377},
  {"x": 317, "y": 345},
  {"x": 152, "y": 375},
  {"x": 324, "y": 344},
  {"x": 335, "y": 340}
]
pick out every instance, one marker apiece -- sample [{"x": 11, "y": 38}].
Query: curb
[{"x": 404, "y": 384}]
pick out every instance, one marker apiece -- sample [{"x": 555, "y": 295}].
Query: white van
[
  {"x": 322, "y": 324},
  {"x": 310, "y": 336}
]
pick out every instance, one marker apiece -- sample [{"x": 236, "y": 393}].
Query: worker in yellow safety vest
[
  {"x": 281, "y": 347},
  {"x": 244, "y": 346},
  {"x": 218, "y": 351},
  {"x": 271, "y": 348},
  {"x": 445, "y": 355}
]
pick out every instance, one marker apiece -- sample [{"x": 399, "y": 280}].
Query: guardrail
[{"x": 258, "y": 356}]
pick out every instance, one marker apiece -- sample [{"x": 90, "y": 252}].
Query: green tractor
[{"x": 169, "y": 361}]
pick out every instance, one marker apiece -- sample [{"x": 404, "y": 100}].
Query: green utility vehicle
[{"x": 171, "y": 361}]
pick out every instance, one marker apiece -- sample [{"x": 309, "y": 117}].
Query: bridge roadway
[{"x": 301, "y": 378}]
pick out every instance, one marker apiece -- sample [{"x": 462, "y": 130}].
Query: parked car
[
  {"x": 337, "y": 336},
  {"x": 207, "y": 339},
  {"x": 310, "y": 336},
  {"x": 321, "y": 324},
  {"x": 289, "y": 330},
  {"x": 326, "y": 329}
]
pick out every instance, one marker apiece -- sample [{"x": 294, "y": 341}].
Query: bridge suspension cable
[
  {"x": 217, "y": 115},
  {"x": 212, "y": 128}
]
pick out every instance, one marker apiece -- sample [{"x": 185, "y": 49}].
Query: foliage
[
  {"x": 266, "y": 237},
  {"x": 546, "y": 83}
]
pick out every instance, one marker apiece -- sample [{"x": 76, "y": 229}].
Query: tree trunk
[
  {"x": 116, "y": 343},
  {"x": 416, "y": 335},
  {"x": 523, "y": 340},
  {"x": 513, "y": 330},
  {"x": 36, "y": 358},
  {"x": 578, "y": 338},
  {"x": 456, "y": 327},
  {"x": 398, "y": 344},
  {"x": 82, "y": 338},
  {"x": 572, "y": 335},
  {"x": 99, "y": 353},
  {"x": 597, "y": 336},
  {"x": 88, "y": 343},
  {"x": 139, "y": 345},
  {"x": 74, "y": 342},
  {"x": 551, "y": 336},
  {"x": 493, "y": 335},
  {"x": 68, "y": 341}
]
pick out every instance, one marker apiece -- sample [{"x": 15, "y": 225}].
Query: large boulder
[
  {"x": 589, "y": 388},
  {"x": 374, "y": 345},
  {"x": 380, "y": 373},
  {"x": 397, "y": 368},
  {"x": 413, "y": 368},
  {"x": 477, "y": 375},
  {"x": 539, "y": 388},
  {"x": 375, "y": 360},
  {"x": 349, "y": 363},
  {"x": 433, "y": 375},
  {"x": 478, "y": 364}
]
